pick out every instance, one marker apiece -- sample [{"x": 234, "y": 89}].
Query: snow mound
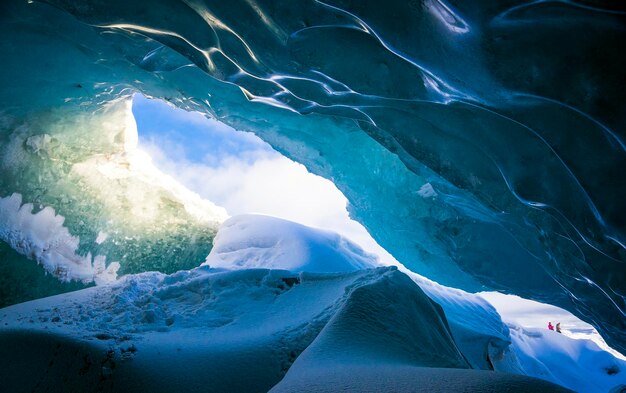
[
  {"x": 222, "y": 331},
  {"x": 42, "y": 237},
  {"x": 256, "y": 241},
  {"x": 476, "y": 326},
  {"x": 390, "y": 321}
]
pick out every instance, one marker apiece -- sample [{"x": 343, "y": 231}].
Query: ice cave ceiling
[{"x": 513, "y": 112}]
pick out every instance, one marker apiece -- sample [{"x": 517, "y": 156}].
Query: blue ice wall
[{"x": 513, "y": 112}]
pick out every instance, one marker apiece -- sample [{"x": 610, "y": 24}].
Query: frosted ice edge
[{"x": 42, "y": 237}]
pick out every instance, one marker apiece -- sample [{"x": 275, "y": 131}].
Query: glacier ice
[
  {"x": 512, "y": 112},
  {"x": 42, "y": 237},
  {"x": 101, "y": 183}
]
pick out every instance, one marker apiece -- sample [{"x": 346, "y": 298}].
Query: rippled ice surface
[{"x": 513, "y": 113}]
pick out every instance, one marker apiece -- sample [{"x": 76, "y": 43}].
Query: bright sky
[{"x": 240, "y": 172}]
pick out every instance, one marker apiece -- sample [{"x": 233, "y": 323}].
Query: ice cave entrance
[{"x": 242, "y": 173}]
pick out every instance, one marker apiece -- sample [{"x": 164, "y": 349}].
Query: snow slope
[
  {"x": 476, "y": 326},
  {"x": 578, "y": 358},
  {"x": 577, "y": 364},
  {"x": 531, "y": 314},
  {"x": 252, "y": 241}
]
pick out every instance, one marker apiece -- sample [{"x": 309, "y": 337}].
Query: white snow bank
[
  {"x": 531, "y": 314},
  {"x": 260, "y": 241},
  {"x": 390, "y": 337},
  {"x": 577, "y": 364},
  {"x": 256, "y": 241},
  {"x": 388, "y": 321},
  {"x": 578, "y": 358},
  {"x": 43, "y": 238}
]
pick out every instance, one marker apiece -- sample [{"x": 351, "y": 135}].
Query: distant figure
[
  {"x": 558, "y": 327},
  {"x": 550, "y": 326}
]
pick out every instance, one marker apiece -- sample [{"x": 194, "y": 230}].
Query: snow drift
[
  {"x": 256, "y": 241},
  {"x": 577, "y": 364},
  {"x": 479, "y": 333}
]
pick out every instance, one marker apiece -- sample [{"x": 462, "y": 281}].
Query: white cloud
[
  {"x": 265, "y": 182},
  {"x": 242, "y": 173}
]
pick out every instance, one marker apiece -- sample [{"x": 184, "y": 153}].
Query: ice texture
[
  {"x": 513, "y": 112},
  {"x": 41, "y": 236},
  {"x": 88, "y": 170}
]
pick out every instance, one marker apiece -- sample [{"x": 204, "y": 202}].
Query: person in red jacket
[{"x": 550, "y": 326}]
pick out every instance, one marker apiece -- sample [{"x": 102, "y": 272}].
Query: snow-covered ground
[
  {"x": 578, "y": 357},
  {"x": 245, "y": 330},
  {"x": 575, "y": 363},
  {"x": 530, "y": 314},
  {"x": 325, "y": 319}
]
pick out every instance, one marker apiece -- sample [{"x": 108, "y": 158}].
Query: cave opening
[
  {"x": 460, "y": 142},
  {"x": 241, "y": 173}
]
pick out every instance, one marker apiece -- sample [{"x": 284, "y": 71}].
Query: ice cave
[{"x": 312, "y": 196}]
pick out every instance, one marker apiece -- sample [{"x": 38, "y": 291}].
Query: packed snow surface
[
  {"x": 530, "y": 314},
  {"x": 244, "y": 330},
  {"x": 339, "y": 325},
  {"x": 577, "y": 364},
  {"x": 577, "y": 358}
]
